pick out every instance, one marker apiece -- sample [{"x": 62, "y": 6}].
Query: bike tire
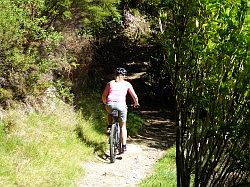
[
  {"x": 113, "y": 143},
  {"x": 118, "y": 141}
]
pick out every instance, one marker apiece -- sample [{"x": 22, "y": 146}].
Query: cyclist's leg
[
  {"x": 109, "y": 117},
  {"x": 123, "y": 133},
  {"x": 123, "y": 127}
]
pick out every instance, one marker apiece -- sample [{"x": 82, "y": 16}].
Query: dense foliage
[
  {"x": 32, "y": 45},
  {"x": 207, "y": 58},
  {"x": 21, "y": 37}
]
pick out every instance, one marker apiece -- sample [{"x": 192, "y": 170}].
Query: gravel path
[
  {"x": 142, "y": 153},
  {"x": 128, "y": 170}
]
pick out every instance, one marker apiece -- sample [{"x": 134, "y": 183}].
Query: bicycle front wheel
[{"x": 113, "y": 143}]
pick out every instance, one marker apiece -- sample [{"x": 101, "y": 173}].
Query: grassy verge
[
  {"x": 43, "y": 148},
  {"x": 46, "y": 147},
  {"x": 164, "y": 172}
]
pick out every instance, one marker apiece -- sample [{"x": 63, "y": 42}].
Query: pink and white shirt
[{"x": 117, "y": 91}]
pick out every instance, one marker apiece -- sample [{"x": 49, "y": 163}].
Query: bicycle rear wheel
[{"x": 113, "y": 143}]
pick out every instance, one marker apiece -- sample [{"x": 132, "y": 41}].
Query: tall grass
[
  {"x": 43, "y": 148},
  {"x": 164, "y": 172}
]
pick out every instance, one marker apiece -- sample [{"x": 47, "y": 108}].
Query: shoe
[
  {"x": 108, "y": 130},
  {"x": 124, "y": 148}
]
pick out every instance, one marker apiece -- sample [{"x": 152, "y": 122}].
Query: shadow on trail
[
  {"x": 159, "y": 129},
  {"x": 98, "y": 146}
]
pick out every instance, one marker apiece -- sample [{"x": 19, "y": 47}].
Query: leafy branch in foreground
[{"x": 208, "y": 60}]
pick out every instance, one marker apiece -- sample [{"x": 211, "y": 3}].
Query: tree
[
  {"x": 206, "y": 52},
  {"x": 22, "y": 37},
  {"x": 31, "y": 31}
]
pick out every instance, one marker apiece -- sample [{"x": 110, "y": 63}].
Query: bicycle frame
[{"x": 115, "y": 143}]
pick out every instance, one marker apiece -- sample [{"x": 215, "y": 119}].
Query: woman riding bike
[{"x": 114, "y": 97}]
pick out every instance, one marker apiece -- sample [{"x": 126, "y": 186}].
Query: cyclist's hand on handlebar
[{"x": 136, "y": 105}]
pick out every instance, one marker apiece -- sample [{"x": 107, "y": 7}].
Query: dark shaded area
[
  {"x": 117, "y": 52},
  {"x": 154, "y": 94},
  {"x": 159, "y": 129},
  {"x": 153, "y": 88},
  {"x": 243, "y": 185}
]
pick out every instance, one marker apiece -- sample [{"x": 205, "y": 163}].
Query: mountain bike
[
  {"x": 114, "y": 138},
  {"x": 115, "y": 144}
]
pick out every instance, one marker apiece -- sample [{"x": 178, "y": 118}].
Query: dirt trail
[{"x": 137, "y": 163}]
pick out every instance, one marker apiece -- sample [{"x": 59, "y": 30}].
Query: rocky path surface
[
  {"x": 128, "y": 169},
  {"x": 142, "y": 153}
]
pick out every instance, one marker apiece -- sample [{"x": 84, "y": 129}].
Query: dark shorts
[{"x": 121, "y": 107}]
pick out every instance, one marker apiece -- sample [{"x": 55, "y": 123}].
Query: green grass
[
  {"x": 164, "y": 172},
  {"x": 46, "y": 147},
  {"x": 43, "y": 148},
  {"x": 134, "y": 123}
]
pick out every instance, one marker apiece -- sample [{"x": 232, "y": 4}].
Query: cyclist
[{"x": 114, "y": 97}]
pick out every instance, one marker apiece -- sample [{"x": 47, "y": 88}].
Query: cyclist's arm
[
  {"x": 105, "y": 94},
  {"x": 134, "y": 96}
]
